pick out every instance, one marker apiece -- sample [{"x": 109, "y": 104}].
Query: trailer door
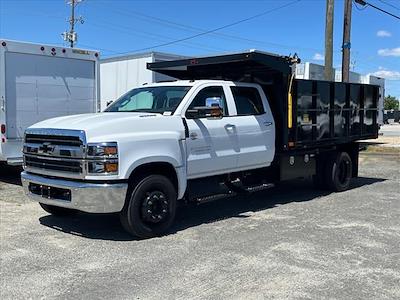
[{"x": 42, "y": 87}]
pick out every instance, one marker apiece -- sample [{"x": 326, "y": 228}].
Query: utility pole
[
  {"x": 328, "y": 71},
  {"x": 346, "y": 41},
  {"x": 72, "y": 23},
  {"x": 72, "y": 36}
]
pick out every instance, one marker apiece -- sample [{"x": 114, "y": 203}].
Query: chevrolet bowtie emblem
[{"x": 46, "y": 148}]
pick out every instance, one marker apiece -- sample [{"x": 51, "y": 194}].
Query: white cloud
[
  {"x": 387, "y": 74},
  {"x": 318, "y": 56},
  {"x": 383, "y": 33},
  {"x": 389, "y": 52}
]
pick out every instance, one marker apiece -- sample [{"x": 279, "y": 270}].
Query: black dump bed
[{"x": 318, "y": 113}]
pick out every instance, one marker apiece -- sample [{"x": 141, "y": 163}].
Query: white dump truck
[{"x": 232, "y": 124}]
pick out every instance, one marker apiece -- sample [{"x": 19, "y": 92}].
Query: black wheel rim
[
  {"x": 155, "y": 207},
  {"x": 343, "y": 172}
]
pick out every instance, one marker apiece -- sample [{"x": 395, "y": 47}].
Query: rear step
[{"x": 250, "y": 189}]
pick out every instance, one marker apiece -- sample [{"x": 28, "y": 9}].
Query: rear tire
[
  {"x": 339, "y": 172},
  {"x": 150, "y": 209},
  {"x": 57, "y": 211}
]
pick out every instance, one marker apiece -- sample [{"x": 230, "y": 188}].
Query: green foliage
[{"x": 391, "y": 103}]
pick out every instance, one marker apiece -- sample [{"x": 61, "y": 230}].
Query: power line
[
  {"x": 364, "y": 3},
  {"x": 132, "y": 32},
  {"x": 390, "y": 4},
  {"x": 187, "y": 27},
  {"x": 216, "y": 29}
]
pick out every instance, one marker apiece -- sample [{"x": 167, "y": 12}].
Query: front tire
[
  {"x": 57, "y": 211},
  {"x": 339, "y": 172},
  {"x": 150, "y": 208}
]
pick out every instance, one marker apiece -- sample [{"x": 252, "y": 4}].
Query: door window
[
  {"x": 247, "y": 100},
  {"x": 211, "y": 96}
]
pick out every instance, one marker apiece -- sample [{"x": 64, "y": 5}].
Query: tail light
[{"x": 3, "y": 128}]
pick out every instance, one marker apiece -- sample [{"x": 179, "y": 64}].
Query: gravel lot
[{"x": 291, "y": 242}]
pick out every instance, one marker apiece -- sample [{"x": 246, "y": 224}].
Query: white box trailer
[
  {"x": 39, "y": 82},
  {"x": 120, "y": 74}
]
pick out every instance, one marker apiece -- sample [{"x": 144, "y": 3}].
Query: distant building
[
  {"x": 120, "y": 74},
  {"x": 309, "y": 70}
]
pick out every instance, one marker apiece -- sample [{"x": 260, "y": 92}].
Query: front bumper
[{"x": 87, "y": 197}]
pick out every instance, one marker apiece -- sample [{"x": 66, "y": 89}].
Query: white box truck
[
  {"x": 39, "y": 82},
  {"x": 120, "y": 73}
]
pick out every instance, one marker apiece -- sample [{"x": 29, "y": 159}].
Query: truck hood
[{"x": 103, "y": 126}]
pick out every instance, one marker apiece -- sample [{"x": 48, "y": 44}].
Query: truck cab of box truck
[{"x": 39, "y": 82}]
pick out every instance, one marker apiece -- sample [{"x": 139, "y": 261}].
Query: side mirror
[{"x": 204, "y": 112}]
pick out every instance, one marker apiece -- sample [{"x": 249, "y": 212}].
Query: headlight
[
  {"x": 102, "y": 150},
  {"x": 102, "y": 159},
  {"x": 103, "y": 167}
]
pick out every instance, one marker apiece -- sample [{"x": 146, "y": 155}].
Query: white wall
[
  {"x": 353, "y": 77},
  {"x": 311, "y": 71},
  {"x": 118, "y": 77}
]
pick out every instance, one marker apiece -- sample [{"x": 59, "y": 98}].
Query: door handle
[
  {"x": 267, "y": 123},
  {"x": 193, "y": 136},
  {"x": 229, "y": 127}
]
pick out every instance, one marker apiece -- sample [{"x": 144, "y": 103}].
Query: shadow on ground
[
  {"x": 107, "y": 226},
  {"x": 9, "y": 174}
]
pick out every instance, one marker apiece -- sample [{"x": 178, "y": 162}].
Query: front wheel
[
  {"x": 150, "y": 208},
  {"x": 339, "y": 172}
]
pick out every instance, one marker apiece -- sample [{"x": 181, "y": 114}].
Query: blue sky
[{"x": 115, "y": 27}]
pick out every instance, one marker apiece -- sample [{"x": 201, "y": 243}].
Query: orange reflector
[
  {"x": 291, "y": 144},
  {"x": 111, "y": 167},
  {"x": 110, "y": 150}
]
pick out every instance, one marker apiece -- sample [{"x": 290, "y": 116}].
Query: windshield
[{"x": 159, "y": 99}]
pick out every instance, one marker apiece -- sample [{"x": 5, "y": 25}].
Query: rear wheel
[
  {"x": 57, "y": 211},
  {"x": 339, "y": 172},
  {"x": 150, "y": 208}
]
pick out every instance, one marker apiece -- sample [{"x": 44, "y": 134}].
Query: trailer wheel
[
  {"x": 339, "y": 172},
  {"x": 57, "y": 211},
  {"x": 150, "y": 208}
]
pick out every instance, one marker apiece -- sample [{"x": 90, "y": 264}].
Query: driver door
[{"x": 212, "y": 146}]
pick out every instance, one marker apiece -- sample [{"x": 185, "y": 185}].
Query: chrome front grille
[
  {"x": 46, "y": 163},
  {"x": 55, "y": 152},
  {"x": 74, "y": 141}
]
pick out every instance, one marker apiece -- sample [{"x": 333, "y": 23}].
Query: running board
[
  {"x": 214, "y": 197},
  {"x": 257, "y": 188},
  {"x": 251, "y": 189}
]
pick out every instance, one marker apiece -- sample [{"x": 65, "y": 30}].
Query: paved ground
[
  {"x": 389, "y": 137},
  {"x": 289, "y": 242},
  {"x": 390, "y": 130}
]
